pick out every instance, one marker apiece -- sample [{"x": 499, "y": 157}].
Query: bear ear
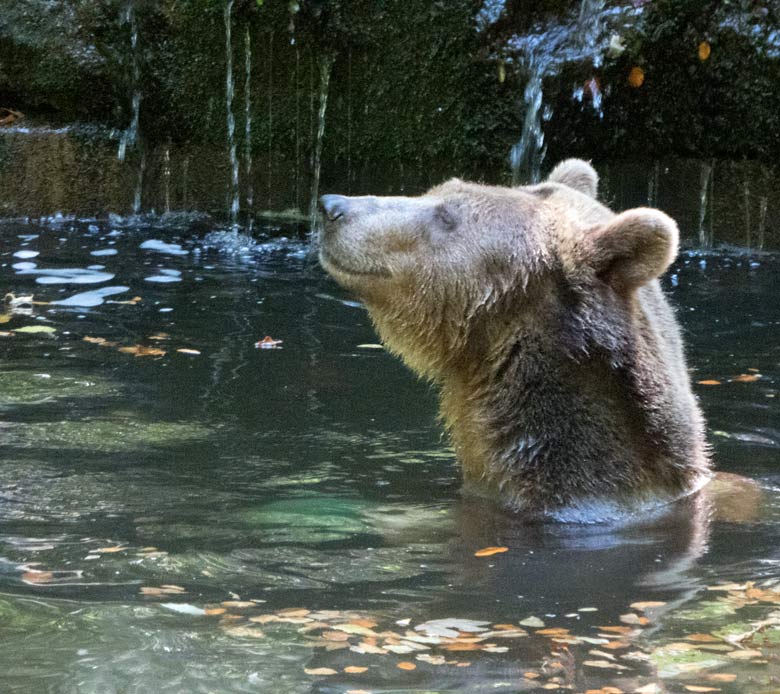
[
  {"x": 633, "y": 248},
  {"x": 577, "y": 174}
]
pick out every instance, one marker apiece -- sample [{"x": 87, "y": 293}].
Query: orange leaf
[
  {"x": 406, "y": 665},
  {"x": 37, "y": 576},
  {"x": 746, "y": 378},
  {"x": 704, "y": 51},
  {"x": 490, "y": 551},
  {"x": 636, "y": 78},
  {"x": 709, "y": 382},
  {"x": 355, "y": 669}
]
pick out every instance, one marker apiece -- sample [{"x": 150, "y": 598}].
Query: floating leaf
[
  {"x": 648, "y": 605},
  {"x": 490, "y": 551},
  {"x": 143, "y": 351},
  {"x": 187, "y": 350},
  {"x": 697, "y": 688},
  {"x": 704, "y": 51},
  {"x": 268, "y": 343},
  {"x": 30, "y": 329},
  {"x": 406, "y": 665},
  {"x": 632, "y": 618},
  {"x": 604, "y": 664},
  {"x": 533, "y": 622},
  {"x": 320, "y": 671},
  {"x": 37, "y": 577},
  {"x": 746, "y": 378},
  {"x": 110, "y": 550},
  {"x": 709, "y": 382},
  {"x": 355, "y": 669}
]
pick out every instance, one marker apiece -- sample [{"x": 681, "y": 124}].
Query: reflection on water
[{"x": 165, "y": 466}]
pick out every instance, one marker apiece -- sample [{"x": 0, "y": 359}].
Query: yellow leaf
[
  {"x": 642, "y": 606},
  {"x": 406, "y": 665},
  {"x": 318, "y": 671},
  {"x": 355, "y": 669},
  {"x": 704, "y": 51},
  {"x": 709, "y": 382}
]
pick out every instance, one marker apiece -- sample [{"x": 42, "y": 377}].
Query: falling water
[
  {"x": 527, "y": 155},
  {"x": 763, "y": 204},
  {"x": 248, "y": 123},
  {"x": 653, "y": 183},
  {"x": 541, "y": 53},
  {"x": 705, "y": 202},
  {"x": 746, "y": 202},
  {"x": 139, "y": 185},
  {"x": 231, "y": 119},
  {"x": 167, "y": 178},
  {"x": 130, "y": 135},
  {"x": 326, "y": 66}
]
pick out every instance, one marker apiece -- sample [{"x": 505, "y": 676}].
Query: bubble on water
[
  {"x": 26, "y": 254},
  {"x": 163, "y": 247},
  {"x": 90, "y": 298},
  {"x": 104, "y": 251}
]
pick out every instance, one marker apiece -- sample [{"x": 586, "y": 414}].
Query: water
[
  {"x": 248, "y": 124},
  {"x": 233, "y": 190},
  {"x": 143, "y": 487},
  {"x": 326, "y": 67},
  {"x": 540, "y": 54},
  {"x": 129, "y": 136}
]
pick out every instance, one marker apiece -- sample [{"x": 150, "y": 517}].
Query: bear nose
[{"x": 334, "y": 206}]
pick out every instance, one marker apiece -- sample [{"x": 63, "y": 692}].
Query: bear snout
[{"x": 334, "y": 206}]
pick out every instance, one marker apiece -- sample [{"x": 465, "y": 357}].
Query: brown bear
[{"x": 538, "y": 312}]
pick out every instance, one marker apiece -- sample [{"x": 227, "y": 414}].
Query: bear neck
[{"x": 544, "y": 423}]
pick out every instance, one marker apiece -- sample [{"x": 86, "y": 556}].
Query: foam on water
[
  {"x": 26, "y": 254},
  {"x": 91, "y": 298},
  {"x": 104, "y": 251},
  {"x": 163, "y": 247}
]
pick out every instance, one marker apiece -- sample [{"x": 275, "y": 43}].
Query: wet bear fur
[{"x": 538, "y": 313}]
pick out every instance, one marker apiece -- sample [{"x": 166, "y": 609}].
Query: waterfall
[
  {"x": 130, "y": 134},
  {"x": 541, "y": 53},
  {"x": 248, "y": 124},
  {"x": 326, "y": 66},
  {"x": 231, "y": 119},
  {"x": 705, "y": 203}
]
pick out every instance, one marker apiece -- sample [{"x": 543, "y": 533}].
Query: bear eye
[{"x": 445, "y": 217}]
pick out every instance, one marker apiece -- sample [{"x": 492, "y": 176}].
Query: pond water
[{"x": 182, "y": 511}]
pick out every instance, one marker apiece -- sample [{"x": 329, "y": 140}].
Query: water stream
[
  {"x": 250, "y": 194},
  {"x": 233, "y": 187},
  {"x": 129, "y": 136},
  {"x": 326, "y": 68},
  {"x": 540, "y": 54}
]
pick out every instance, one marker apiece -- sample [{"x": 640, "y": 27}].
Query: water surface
[{"x": 165, "y": 481}]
